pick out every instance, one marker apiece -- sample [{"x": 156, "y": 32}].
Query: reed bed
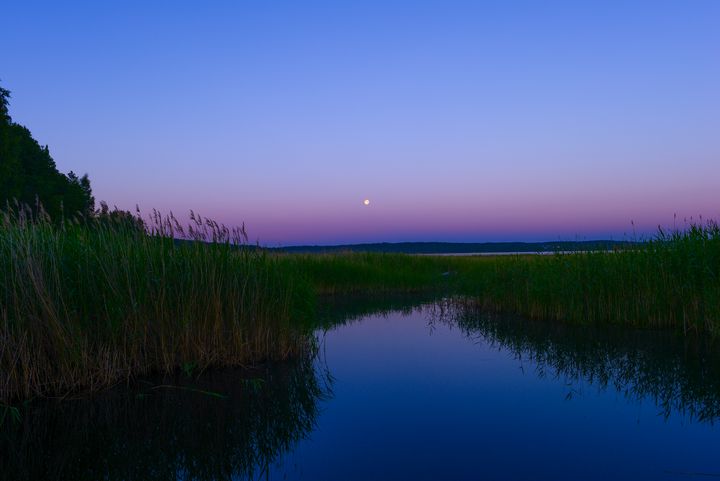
[
  {"x": 84, "y": 305},
  {"x": 368, "y": 273},
  {"x": 671, "y": 281}
]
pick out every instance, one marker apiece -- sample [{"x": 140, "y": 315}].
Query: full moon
[{"x": 366, "y": 202}]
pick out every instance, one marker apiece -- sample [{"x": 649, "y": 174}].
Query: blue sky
[{"x": 463, "y": 121}]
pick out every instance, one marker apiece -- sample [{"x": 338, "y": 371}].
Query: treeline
[
  {"x": 460, "y": 247},
  {"x": 28, "y": 173}
]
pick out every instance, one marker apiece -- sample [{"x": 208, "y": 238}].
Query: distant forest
[
  {"x": 460, "y": 247},
  {"x": 28, "y": 173}
]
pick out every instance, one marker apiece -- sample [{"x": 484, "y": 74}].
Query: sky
[{"x": 459, "y": 121}]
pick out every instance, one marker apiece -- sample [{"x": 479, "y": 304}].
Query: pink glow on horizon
[
  {"x": 379, "y": 223},
  {"x": 472, "y": 123}
]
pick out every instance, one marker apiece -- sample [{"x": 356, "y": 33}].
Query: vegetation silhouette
[
  {"x": 28, "y": 173},
  {"x": 85, "y": 305}
]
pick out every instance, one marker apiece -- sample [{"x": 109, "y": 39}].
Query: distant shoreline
[
  {"x": 508, "y": 253},
  {"x": 460, "y": 248}
]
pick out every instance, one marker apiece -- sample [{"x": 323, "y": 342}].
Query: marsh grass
[
  {"x": 84, "y": 305},
  {"x": 364, "y": 273},
  {"x": 672, "y": 280},
  {"x": 669, "y": 281}
]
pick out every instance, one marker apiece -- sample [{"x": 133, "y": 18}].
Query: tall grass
[
  {"x": 86, "y": 305},
  {"x": 364, "y": 273},
  {"x": 672, "y": 281}
]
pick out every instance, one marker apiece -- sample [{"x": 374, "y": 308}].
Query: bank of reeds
[
  {"x": 672, "y": 280},
  {"x": 669, "y": 281},
  {"x": 369, "y": 273},
  {"x": 87, "y": 304}
]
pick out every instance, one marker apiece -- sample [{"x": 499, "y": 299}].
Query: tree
[
  {"x": 28, "y": 173},
  {"x": 4, "y": 96}
]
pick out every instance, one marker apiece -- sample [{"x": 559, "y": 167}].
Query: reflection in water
[
  {"x": 223, "y": 425},
  {"x": 680, "y": 374},
  {"x": 335, "y": 311},
  {"x": 233, "y": 424}
]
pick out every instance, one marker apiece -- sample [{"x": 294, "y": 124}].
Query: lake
[{"x": 402, "y": 389}]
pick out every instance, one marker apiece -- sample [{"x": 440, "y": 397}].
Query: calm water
[{"x": 420, "y": 393}]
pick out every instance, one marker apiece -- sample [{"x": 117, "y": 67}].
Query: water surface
[{"x": 425, "y": 392}]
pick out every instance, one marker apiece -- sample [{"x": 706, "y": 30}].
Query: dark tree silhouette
[{"x": 28, "y": 173}]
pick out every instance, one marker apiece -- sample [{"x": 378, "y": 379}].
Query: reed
[
  {"x": 84, "y": 305},
  {"x": 369, "y": 273},
  {"x": 670, "y": 281}
]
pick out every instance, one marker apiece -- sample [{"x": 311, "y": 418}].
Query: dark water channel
[{"x": 421, "y": 392}]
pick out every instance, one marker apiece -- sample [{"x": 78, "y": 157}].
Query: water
[{"x": 428, "y": 392}]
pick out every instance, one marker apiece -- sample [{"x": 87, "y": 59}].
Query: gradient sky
[{"x": 460, "y": 121}]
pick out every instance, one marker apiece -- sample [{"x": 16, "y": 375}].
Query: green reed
[
  {"x": 84, "y": 305},
  {"x": 671, "y": 281},
  {"x": 369, "y": 273}
]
